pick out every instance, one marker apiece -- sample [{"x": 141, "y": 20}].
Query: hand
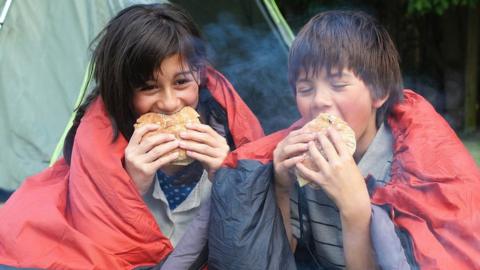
[
  {"x": 205, "y": 145},
  {"x": 289, "y": 152},
  {"x": 338, "y": 175},
  {"x": 145, "y": 155}
]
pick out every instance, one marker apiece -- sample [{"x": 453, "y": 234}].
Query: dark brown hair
[
  {"x": 128, "y": 51},
  {"x": 335, "y": 40}
]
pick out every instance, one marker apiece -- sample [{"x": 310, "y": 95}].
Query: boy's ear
[{"x": 377, "y": 103}]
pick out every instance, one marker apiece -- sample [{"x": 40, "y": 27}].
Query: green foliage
[{"x": 437, "y": 6}]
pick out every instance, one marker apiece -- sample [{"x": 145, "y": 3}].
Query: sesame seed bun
[{"x": 172, "y": 124}]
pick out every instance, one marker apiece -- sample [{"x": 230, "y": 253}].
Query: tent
[{"x": 44, "y": 55}]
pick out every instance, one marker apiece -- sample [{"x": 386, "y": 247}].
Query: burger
[
  {"x": 171, "y": 124},
  {"x": 320, "y": 124}
]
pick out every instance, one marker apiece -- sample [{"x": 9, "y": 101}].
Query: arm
[
  {"x": 190, "y": 251},
  {"x": 356, "y": 239},
  {"x": 287, "y": 153},
  {"x": 283, "y": 202}
]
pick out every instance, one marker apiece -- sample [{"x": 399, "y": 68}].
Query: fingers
[
  {"x": 193, "y": 146},
  {"x": 327, "y": 147},
  {"x": 289, "y": 163},
  {"x": 139, "y": 143},
  {"x": 330, "y": 159},
  {"x": 338, "y": 142},
  {"x": 298, "y": 132},
  {"x": 201, "y": 133},
  {"x": 290, "y": 150},
  {"x": 210, "y": 161},
  {"x": 160, "y": 150},
  {"x": 202, "y": 139},
  {"x": 147, "y": 144},
  {"x": 293, "y": 145},
  {"x": 138, "y": 133},
  {"x": 320, "y": 160},
  {"x": 294, "y": 150},
  {"x": 299, "y": 136},
  {"x": 162, "y": 161},
  {"x": 317, "y": 157},
  {"x": 309, "y": 174},
  {"x": 204, "y": 144},
  {"x": 145, "y": 154}
]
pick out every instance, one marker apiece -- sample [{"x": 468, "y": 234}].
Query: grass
[{"x": 472, "y": 142}]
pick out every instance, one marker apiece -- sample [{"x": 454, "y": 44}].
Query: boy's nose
[{"x": 322, "y": 100}]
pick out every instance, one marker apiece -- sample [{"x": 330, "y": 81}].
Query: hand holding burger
[
  {"x": 321, "y": 124},
  {"x": 171, "y": 124},
  {"x": 154, "y": 145},
  {"x": 169, "y": 141},
  {"x": 328, "y": 164}
]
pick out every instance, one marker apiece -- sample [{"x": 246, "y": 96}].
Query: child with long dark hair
[{"x": 115, "y": 201}]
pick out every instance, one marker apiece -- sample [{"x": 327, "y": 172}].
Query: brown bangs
[
  {"x": 336, "y": 40},
  {"x": 162, "y": 41}
]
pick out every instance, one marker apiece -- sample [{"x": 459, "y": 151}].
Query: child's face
[
  {"x": 174, "y": 88},
  {"x": 341, "y": 94}
]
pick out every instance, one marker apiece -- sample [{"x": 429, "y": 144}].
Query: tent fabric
[
  {"x": 43, "y": 56},
  {"x": 89, "y": 215},
  {"x": 433, "y": 194}
]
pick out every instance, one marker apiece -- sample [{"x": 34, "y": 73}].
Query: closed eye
[
  {"x": 304, "y": 91},
  {"x": 338, "y": 82},
  {"x": 339, "y": 85}
]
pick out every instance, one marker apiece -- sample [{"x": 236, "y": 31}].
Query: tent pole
[
  {"x": 277, "y": 18},
  {"x": 83, "y": 90},
  {"x": 5, "y": 9}
]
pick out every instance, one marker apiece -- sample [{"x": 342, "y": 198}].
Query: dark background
[{"x": 432, "y": 38}]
